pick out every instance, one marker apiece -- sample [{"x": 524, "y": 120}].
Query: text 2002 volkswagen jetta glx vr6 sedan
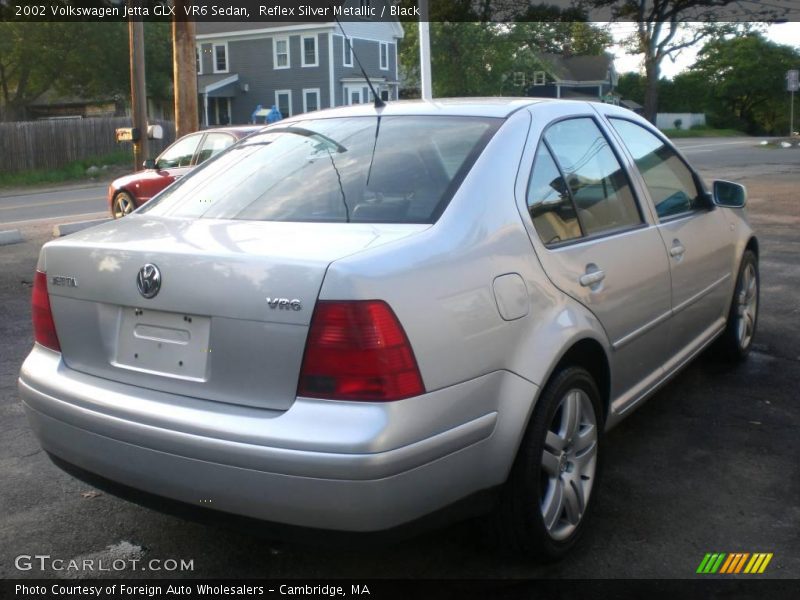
[{"x": 359, "y": 316}]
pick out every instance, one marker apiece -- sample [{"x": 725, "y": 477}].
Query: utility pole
[
  {"x": 792, "y": 85},
  {"x": 138, "y": 87},
  {"x": 425, "y": 51},
  {"x": 184, "y": 72}
]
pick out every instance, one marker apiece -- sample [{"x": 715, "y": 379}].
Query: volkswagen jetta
[{"x": 358, "y": 317}]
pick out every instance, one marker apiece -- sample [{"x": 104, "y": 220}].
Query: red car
[{"x": 128, "y": 193}]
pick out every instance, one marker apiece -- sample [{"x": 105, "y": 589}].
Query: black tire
[
  {"x": 122, "y": 205},
  {"x": 731, "y": 345},
  {"x": 518, "y": 523}
]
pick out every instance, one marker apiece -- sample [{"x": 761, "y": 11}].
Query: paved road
[{"x": 68, "y": 202}]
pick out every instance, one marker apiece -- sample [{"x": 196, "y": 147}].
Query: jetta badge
[{"x": 148, "y": 280}]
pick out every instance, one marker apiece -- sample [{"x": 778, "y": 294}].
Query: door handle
[
  {"x": 677, "y": 249},
  {"x": 592, "y": 278}
]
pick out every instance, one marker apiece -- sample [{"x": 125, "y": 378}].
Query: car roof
[
  {"x": 494, "y": 106},
  {"x": 239, "y": 131}
]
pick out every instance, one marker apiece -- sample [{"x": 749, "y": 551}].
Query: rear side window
[
  {"x": 397, "y": 169},
  {"x": 549, "y": 203},
  {"x": 670, "y": 182},
  {"x": 597, "y": 183},
  {"x": 213, "y": 144}
]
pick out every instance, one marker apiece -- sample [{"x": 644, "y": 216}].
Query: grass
[
  {"x": 74, "y": 171},
  {"x": 702, "y": 132}
]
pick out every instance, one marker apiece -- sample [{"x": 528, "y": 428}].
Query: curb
[
  {"x": 67, "y": 228},
  {"x": 10, "y": 236}
]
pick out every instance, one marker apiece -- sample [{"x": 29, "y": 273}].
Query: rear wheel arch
[{"x": 589, "y": 354}]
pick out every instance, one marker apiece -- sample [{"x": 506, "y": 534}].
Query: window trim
[
  {"x": 702, "y": 192},
  {"x": 303, "y": 39},
  {"x": 643, "y": 223},
  {"x": 309, "y": 91},
  {"x": 381, "y": 46},
  {"x": 536, "y": 75},
  {"x": 275, "y": 40},
  {"x": 214, "y": 57},
  {"x": 345, "y": 45},
  {"x": 277, "y": 104},
  {"x": 198, "y": 48}
]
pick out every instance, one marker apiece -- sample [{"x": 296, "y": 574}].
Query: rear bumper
[{"x": 334, "y": 465}]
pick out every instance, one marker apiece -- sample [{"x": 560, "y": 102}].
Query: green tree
[
  {"x": 87, "y": 60},
  {"x": 665, "y": 27},
  {"x": 745, "y": 77}
]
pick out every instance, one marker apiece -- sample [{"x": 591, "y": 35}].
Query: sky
[{"x": 785, "y": 33}]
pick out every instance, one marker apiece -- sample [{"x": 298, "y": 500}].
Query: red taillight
[
  {"x": 357, "y": 350},
  {"x": 44, "y": 330}
]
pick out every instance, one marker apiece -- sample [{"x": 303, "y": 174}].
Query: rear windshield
[{"x": 398, "y": 169}]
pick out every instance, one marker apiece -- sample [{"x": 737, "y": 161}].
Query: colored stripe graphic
[{"x": 729, "y": 564}]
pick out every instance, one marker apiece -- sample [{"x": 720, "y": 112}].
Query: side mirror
[
  {"x": 150, "y": 163},
  {"x": 729, "y": 194}
]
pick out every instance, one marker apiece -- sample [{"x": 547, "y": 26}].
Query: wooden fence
[{"x": 50, "y": 144}]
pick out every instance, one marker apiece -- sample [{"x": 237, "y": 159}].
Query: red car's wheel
[{"x": 122, "y": 205}]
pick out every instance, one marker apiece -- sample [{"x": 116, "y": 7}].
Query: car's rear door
[
  {"x": 696, "y": 237},
  {"x": 595, "y": 241}
]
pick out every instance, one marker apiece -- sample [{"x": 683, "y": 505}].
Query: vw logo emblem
[{"x": 148, "y": 280}]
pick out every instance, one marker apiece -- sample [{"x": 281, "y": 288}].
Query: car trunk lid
[{"x": 230, "y": 320}]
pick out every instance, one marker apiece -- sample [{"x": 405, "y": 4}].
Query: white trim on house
[
  {"x": 311, "y": 91},
  {"x": 303, "y": 39},
  {"x": 381, "y": 47},
  {"x": 277, "y": 103},
  {"x": 275, "y": 40},
  {"x": 539, "y": 78},
  {"x": 331, "y": 87},
  {"x": 214, "y": 57},
  {"x": 266, "y": 32},
  {"x": 198, "y": 49},
  {"x": 219, "y": 84}
]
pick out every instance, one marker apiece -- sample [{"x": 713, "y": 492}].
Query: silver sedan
[{"x": 357, "y": 317}]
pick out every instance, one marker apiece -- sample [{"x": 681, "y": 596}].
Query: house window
[
  {"x": 384, "y": 50},
  {"x": 347, "y": 52},
  {"x": 220, "y": 58},
  {"x": 283, "y": 100},
  {"x": 310, "y": 99},
  {"x": 198, "y": 59},
  {"x": 310, "y": 51},
  {"x": 385, "y": 95},
  {"x": 539, "y": 78},
  {"x": 281, "y": 53}
]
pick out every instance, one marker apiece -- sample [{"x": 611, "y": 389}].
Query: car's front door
[
  {"x": 695, "y": 236},
  {"x": 597, "y": 244}
]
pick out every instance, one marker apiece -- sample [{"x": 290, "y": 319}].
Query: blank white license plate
[{"x": 164, "y": 343}]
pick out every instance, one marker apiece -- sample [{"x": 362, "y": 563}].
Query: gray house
[
  {"x": 580, "y": 77},
  {"x": 299, "y": 67}
]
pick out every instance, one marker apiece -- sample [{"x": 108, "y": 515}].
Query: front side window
[
  {"x": 395, "y": 169},
  {"x": 180, "y": 153},
  {"x": 220, "y": 58},
  {"x": 595, "y": 178},
  {"x": 282, "y": 53},
  {"x": 310, "y": 51},
  {"x": 669, "y": 181}
]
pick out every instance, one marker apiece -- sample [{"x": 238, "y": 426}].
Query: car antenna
[{"x": 378, "y": 101}]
